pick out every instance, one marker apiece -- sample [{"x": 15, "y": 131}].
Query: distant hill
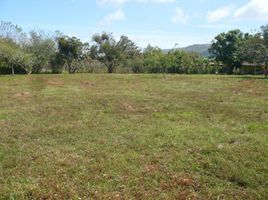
[{"x": 201, "y": 49}]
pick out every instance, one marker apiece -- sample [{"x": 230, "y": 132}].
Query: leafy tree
[
  {"x": 175, "y": 61},
  {"x": 71, "y": 50},
  {"x": 153, "y": 59},
  {"x": 128, "y": 49},
  {"x": 42, "y": 47},
  {"x": 190, "y": 62},
  {"x": 12, "y": 38},
  {"x": 175, "y": 57},
  {"x": 254, "y": 50},
  {"x": 7, "y": 54},
  {"x": 225, "y": 49},
  {"x": 57, "y": 63},
  {"x": 13, "y": 55},
  {"x": 14, "y": 33},
  {"x": 264, "y": 33},
  {"x": 136, "y": 64},
  {"x": 106, "y": 50},
  {"x": 112, "y": 53}
]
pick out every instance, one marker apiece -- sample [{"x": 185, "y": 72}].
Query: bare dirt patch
[
  {"x": 151, "y": 169},
  {"x": 54, "y": 82},
  {"x": 87, "y": 84},
  {"x": 22, "y": 95}
]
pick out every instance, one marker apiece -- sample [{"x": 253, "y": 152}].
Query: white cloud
[
  {"x": 254, "y": 9},
  {"x": 180, "y": 17},
  {"x": 119, "y": 14},
  {"x": 220, "y": 13},
  {"x": 116, "y": 16}
]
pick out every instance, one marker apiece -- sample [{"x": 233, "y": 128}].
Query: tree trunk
[
  {"x": 13, "y": 72},
  {"x": 110, "y": 69},
  {"x": 73, "y": 69},
  {"x": 69, "y": 67},
  {"x": 29, "y": 72}
]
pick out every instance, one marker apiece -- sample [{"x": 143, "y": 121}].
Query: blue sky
[{"x": 158, "y": 22}]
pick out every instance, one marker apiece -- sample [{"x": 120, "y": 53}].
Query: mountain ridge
[{"x": 201, "y": 49}]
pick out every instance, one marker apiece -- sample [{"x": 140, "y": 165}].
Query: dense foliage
[{"x": 37, "y": 52}]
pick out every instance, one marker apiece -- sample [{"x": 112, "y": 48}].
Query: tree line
[{"x": 38, "y": 52}]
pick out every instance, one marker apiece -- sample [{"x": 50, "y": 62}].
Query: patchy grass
[{"x": 133, "y": 137}]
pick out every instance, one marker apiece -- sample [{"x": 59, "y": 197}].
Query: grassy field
[{"x": 98, "y": 136}]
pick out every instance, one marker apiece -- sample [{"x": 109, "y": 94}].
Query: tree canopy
[
  {"x": 70, "y": 49},
  {"x": 225, "y": 49},
  {"x": 111, "y": 52}
]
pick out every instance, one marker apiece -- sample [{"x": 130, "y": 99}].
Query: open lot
[{"x": 106, "y": 136}]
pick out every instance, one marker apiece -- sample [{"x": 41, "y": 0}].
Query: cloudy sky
[{"x": 159, "y": 22}]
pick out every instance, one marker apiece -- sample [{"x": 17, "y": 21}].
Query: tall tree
[
  {"x": 112, "y": 53},
  {"x": 106, "y": 50},
  {"x": 42, "y": 47},
  {"x": 13, "y": 55},
  {"x": 71, "y": 49},
  {"x": 254, "y": 50},
  {"x": 14, "y": 33},
  {"x": 264, "y": 32},
  {"x": 128, "y": 48},
  {"x": 225, "y": 47},
  {"x": 154, "y": 59}
]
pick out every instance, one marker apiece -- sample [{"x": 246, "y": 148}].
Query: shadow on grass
[{"x": 248, "y": 77}]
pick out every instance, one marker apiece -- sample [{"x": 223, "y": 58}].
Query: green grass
[{"x": 98, "y": 136}]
